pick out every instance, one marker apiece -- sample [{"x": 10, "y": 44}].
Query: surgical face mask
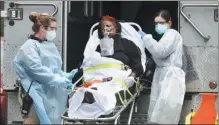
[
  {"x": 107, "y": 46},
  {"x": 50, "y": 35},
  {"x": 161, "y": 28}
]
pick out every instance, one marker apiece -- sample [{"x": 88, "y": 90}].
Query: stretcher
[{"x": 125, "y": 98}]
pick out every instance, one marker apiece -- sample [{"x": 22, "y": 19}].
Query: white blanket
[{"x": 105, "y": 99}]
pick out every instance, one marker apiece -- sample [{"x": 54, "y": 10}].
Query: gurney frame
[
  {"x": 118, "y": 109},
  {"x": 116, "y": 113}
]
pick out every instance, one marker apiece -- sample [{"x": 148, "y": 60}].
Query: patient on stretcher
[{"x": 106, "y": 73}]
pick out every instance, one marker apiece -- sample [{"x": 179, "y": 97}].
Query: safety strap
[
  {"x": 124, "y": 85},
  {"x": 107, "y": 65},
  {"x": 120, "y": 97},
  {"x": 139, "y": 85},
  {"x": 87, "y": 84},
  {"x": 114, "y": 66}
]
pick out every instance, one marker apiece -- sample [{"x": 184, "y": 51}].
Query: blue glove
[
  {"x": 142, "y": 34},
  {"x": 69, "y": 86},
  {"x": 74, "y": 71},
  {"x": 71, "y": 74}
]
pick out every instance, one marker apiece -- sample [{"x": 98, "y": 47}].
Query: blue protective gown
[{"x": 41, "y": 63}]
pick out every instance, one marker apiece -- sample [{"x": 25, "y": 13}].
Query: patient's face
[{"x": 108, "y": 26}]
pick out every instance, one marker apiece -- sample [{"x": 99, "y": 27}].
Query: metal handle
[
  {"x": 100, "y": 9},
  {"x": 69, "y": 6},
  {"x": 45, "y": 4},
  {"x": 206, "y": 38},
  {"x": 92, "y": 8},
  {"x": 66, "y": 11},
  {"x": 131, "y": 23},
  {"x": 86, "y": 8}
]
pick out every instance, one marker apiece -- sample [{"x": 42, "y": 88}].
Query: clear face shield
[{"x": 107, "y": 43}]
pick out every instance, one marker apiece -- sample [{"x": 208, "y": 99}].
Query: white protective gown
[{"x": 168, "y": 86}]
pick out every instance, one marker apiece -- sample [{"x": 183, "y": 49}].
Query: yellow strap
[
  {"x": 106, "y": 65},
  {"x": 216, "y": 121},
  {"x": 189, "y": 117},
  {"x": 124, "y": 85},
  {"x": 115, "y": 66},
  {"x": 139, "y": 85},
  {"x": 120, "y": 97}
]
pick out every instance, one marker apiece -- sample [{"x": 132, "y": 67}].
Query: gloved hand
[
  {"x": 71, "y": 74},
  {"x": 69, "y": 86},
  {"x": 142, "y": 34},
  {"x": 59, "y": 80},
  {"x": 129, "y": 81}
]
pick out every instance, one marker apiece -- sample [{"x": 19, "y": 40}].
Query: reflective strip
[
  {"x": 106, "y": 65},
  {"x": 120, "y": 97},
  {"x": 124, "y": 85}
]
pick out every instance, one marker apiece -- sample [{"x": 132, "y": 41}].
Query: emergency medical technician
[
  {"x": 39, "y": 62},
  {"x": 168, "y": 86}
]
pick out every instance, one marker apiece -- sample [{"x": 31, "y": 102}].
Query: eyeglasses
[{"x": 51, "y": 28}]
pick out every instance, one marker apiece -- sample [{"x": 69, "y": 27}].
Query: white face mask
[
  {"x": 161, "y": 28},
  {"x": 50, "y": 35},
  {"x": 106, "y": 46}
]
